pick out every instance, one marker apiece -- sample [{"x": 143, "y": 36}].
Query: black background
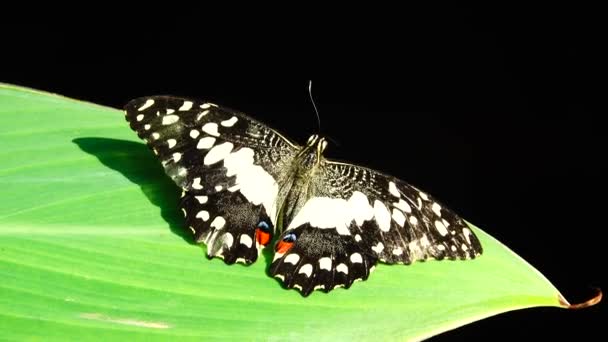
[{"x": 495, "y": 111}]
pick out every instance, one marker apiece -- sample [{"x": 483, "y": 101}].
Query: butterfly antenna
[{"x": 314, "y": 105}]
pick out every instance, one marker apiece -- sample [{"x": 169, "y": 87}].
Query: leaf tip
[{"x": 590, "y": 302}]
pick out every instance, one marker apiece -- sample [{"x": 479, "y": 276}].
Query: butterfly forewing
[{"x": 228, "y": 165}]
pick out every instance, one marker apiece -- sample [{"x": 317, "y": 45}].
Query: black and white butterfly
[{"x": 246, "y": 187}]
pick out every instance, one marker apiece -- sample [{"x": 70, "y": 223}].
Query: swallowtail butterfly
[{"x": 247, "y": 187}]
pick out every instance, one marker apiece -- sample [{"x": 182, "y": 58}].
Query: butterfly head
[
  {"x": 312, "y": 153},
  {"x": 316, "y": 142}
]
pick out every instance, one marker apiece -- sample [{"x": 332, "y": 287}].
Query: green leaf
[{"x": 91, "y": 246}]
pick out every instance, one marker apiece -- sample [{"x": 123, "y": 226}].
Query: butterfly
[{"x": 247, "y": 187}]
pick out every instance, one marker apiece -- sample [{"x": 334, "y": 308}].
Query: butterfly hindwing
[
  {"x": 227, "y": 223},
  {"x": 319, "y": 259},
  {"x": 369, "y": 217},
  {"x": 227, "y": 164}
]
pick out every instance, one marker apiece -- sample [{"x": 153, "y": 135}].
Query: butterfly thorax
[{"x": 301, "y": 174}]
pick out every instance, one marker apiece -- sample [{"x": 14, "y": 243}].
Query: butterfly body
[
  {"x": 245, "y": 187},
  {"x": 301, "y": 177}
]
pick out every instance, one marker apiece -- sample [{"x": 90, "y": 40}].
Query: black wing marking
[
  {"x": 374, "y": 217},
  {"x": 228, "y": 165}
]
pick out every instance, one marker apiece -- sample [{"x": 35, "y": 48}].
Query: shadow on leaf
[{"x": 136, "y": 162}]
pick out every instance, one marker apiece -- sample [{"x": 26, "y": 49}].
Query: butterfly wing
[
  {"x": 356, "y": 217},
  {"x": 229, "y": 165}
]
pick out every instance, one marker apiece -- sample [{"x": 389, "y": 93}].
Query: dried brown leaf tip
[{"x": 590, "y": 302}]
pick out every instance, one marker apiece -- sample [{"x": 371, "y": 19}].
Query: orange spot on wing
[
  {"x": 283, "y": 246},
  {"x": 262, "y": 237}
]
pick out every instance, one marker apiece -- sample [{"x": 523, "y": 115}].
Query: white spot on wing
[
  {"x": 205, "y": 143},
  {"x": 382, "y": 215},
  {"x": 171, "y": 143},
  {"x": 194, "y": 134},
  {"x": 148, "y": 104},
  {"x": 356, "y": 258},
  {"x": 203, "y": 215},
  {"x": 357, "y": 237},
  {"x": 292, "y": 259},
  {"x": 230, "y": 122},
  {"x": 206, "y": 105},
  {"x": 228, "y": 240},
  {"x": 403, "y": 206},
  {"x": 211, "y": 129},
  {"x": 392, "y": 188},
  {"x": 325, "y": 263},
  {"x": 306, "y": 269},
  {"x": 424, "y": 241},
  {"x": 218, "y": 188},
  {"x": 436, "y": 209},
  {"x": 467, "y": 234},
  {"x": 398, "y": 251},
  {"x": 378, "y": 248},
  {"x": 246, "y": 240},
  {"x": 218, "y": 153},
  {"x": 413, "y": 220},
  {"x": 196, "y": 183},
  {"x": 169, "y": 111},
  {"x": 201, "y": 199},
  {"x": 423, "y": 195},
  {"x": 155, "y": 136},
  {"x": 201, "y": 114},
  {"x": 177, "y": 156},
  {"x": 218, "y": 222},
  {"x": 441, "y": 228},
  {"x": 398, "y": 217},
  {"x": 186, "y": 106},
  {"x": 139, "y": 117},
  {"x": 416, "y": 252},
  {"x": 170, "y": 119},
  {"x": 360, "y": 208},
  {"x": 147, "y": 127},
  {"x": 342, "y": 268}
]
